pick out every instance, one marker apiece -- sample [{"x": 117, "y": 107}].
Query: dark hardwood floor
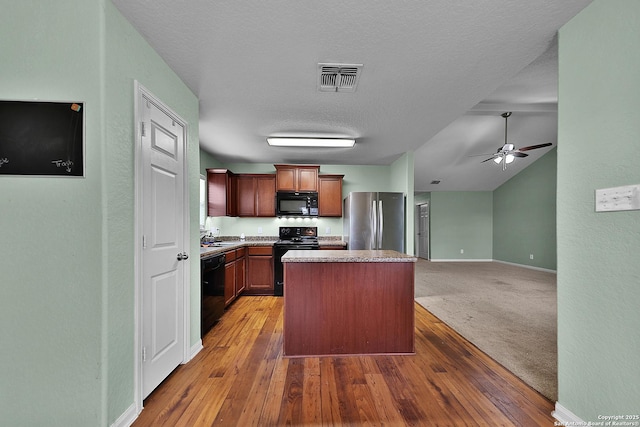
[{"x": 241, "y": 379}]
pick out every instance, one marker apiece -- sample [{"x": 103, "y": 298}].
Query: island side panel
[{"x": 348, "y": 308}]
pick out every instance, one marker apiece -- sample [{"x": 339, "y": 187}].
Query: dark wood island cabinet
[{"x": 348, "y": 303}]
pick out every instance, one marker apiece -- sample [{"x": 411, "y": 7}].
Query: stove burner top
[{"x": 298, "y": 241}]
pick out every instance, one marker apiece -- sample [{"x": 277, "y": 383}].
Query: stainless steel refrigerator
[{"x": 374, "y": 221}]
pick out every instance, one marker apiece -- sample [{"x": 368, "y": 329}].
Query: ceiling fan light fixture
[
  {"x": 311, "y": 142},
  {"x": 498, "y": 160},
  {"x": 509, "y": 158}
]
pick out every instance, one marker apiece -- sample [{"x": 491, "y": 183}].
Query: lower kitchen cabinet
[
  {"x": 259, "y": 270},
  {"x": 241, "y": 269},
  {"x": 234, "y": 274}
]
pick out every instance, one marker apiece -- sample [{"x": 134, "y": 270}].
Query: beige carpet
[{"x": 509, "y": 312}]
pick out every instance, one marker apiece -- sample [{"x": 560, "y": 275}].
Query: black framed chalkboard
[{"x": 41, "y": 138}]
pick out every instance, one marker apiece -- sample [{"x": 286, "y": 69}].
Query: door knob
[{"x": 183, "y": 256}]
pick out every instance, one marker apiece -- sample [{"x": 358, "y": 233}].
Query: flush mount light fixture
[{"x": 311, "y": 142}]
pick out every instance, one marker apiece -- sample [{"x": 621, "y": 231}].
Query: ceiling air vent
[
  {"x": 338, "y": 77},
  {"x": 435, "y": 181}
]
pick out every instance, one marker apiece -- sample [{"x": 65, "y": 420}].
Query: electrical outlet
[
  {"x": 259, "y": 230},
  {"x": 530, "y": 256},
  {"x": 327, "y": 230},
  {"x": 461, "y": 251}
]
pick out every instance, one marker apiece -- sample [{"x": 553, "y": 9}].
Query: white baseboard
[
  {"x": 127, "y": 418},
  {"x": 460, "y": 260},
  {"x": 195, "y": 349},
  {"x": 531, "y": 267},
  {"x": 565, "y": 417},
  {"x": 130, "y": 415}
]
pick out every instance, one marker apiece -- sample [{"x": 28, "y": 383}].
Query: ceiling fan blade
[
  {"x": 519, "y": 154},
  {"x": 533, "y": 147},
  {"x": 478, "y": 155}
]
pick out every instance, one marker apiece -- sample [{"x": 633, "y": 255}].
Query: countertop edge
[{"x": 342, "y": 256}]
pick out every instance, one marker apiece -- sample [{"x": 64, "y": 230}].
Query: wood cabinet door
[
  {"x": 260, "y": 274},
  {"x": 246, "y": 195},
  {"x": 330, "y": 195},
  {"x": 307, "y": 178},
  {"x": 265, "y": 195},
  {"x": 285, "y": 178},
  {"x": 297, "y": 178},
  {"x": 241, "y": 264},
  {"x": 221, "y": 193},
  {"x": 229, "y": 282}
]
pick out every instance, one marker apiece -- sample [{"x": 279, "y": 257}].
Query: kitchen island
[{"x": 350, "y": 302}]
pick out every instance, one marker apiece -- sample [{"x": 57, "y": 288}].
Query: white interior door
[
  {"x": 163, "y": 243},
  {"x": 423, "y": 231}
]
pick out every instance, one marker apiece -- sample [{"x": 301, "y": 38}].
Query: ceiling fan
[{"x": 508, "y": 152}]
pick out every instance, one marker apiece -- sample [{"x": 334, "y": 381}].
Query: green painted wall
[
  {"x": 402, "y": 171},
  {"x": 52, "y": 358},
  {"x": 461, "y": 220},
  {"x": 598, "y": 268},
  {"x": 67, "y": 246},
  {"x": 524, "y": 216},
  {"x": 130, "y": 58}
]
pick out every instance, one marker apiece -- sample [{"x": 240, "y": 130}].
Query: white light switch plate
[{"x": 625, "y": 198}]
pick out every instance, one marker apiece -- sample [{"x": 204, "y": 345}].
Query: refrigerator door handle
[
  {"x": 381, "y": 225},
  {"x": 374, "y": 226}
]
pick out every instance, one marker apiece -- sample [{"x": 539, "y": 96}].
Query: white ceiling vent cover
[{"x": 338, "y": 77}]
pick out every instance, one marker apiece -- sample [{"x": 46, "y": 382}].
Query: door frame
[
  {"x": 140, "y": 90},
  {"x": 427, "y": 229}
]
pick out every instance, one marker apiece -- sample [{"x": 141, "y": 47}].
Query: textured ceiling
[{"x": 427, "y": 66}]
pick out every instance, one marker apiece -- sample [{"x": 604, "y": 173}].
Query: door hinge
[
  {"x": 144, "y": 354},
  {"x": 142, "y": 129},
  {"x": 144, "y": 241}
]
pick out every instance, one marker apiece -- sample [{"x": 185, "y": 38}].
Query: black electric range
[{"x": 300, "y": 238}]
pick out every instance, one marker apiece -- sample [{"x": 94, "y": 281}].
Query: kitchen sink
[{"x": 218, "y": 244}]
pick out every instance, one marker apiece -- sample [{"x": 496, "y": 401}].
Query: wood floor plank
[{"x": 240, "y": 378}]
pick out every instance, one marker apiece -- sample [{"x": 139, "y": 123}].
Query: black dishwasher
[{"x": 212, "y": 292}]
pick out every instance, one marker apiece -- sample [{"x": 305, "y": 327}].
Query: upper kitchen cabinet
[
  {"x": 221, "y": 193},
  {"x": 330, "y": 195},
  {"x": 297, "y": 177},
  {"x": 256, "y": 195}
]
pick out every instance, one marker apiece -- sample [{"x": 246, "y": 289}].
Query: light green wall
[
  {"x": 402, "y": 171},
  {"x": 461, "y": 220},
  {"x": 524, "y": 216},
  {"x": 130, "y": 58},
  {"x": 598, "y": 268},
  {"x": 52, "y": 358},
  {"x": 67, "y": 246}
]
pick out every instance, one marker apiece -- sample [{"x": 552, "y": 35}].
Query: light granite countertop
[
  {"x": 228, "y": 245},
  {"x": 346, "y": 256}
]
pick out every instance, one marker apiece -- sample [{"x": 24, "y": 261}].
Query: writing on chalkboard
[
  {"x": 65, "y": 164},
  {"x": 41, "y": 138}
]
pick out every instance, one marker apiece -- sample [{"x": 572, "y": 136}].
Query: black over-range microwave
[{"x": 290, "y": 203}]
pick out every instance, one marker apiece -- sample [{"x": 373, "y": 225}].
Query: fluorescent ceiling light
[{"x": 311, "y": 142}]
